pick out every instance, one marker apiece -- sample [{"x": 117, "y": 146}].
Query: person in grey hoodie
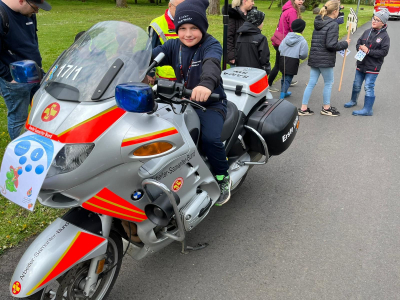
[
  {"x": 322, "y": 58},
  {"x": 292, "y": 48}
]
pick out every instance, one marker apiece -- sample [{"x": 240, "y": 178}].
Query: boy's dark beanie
[
  {"x": 192, "y": 12},
  {"x": 255, "y": 17},
  {"x": 298, "y": 25}
]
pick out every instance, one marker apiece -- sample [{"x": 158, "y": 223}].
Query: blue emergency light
[
  {"x": 134, "y": 97},
  {"x": 26, "y": 71}
]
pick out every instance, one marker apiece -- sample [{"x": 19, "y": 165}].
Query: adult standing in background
[
  {"x": 162, "y": 29},
  {"x": 290, "y": 12},
  {"x": 322, "y": 59},
  {"x": 19, "y": 41},
  {"x": 237, "y": 16}
]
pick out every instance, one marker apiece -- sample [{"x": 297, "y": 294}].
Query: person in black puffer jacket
[
  {"x": 237, "y": 16},
  {"x": 322, "y": 59},
  {"x": 252, "y": 46}
]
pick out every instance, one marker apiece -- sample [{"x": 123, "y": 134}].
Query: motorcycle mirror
[
  {"x": 159, "y": 57},
  {"x": 26, "y": 71},
  {"x": 156, "y": 61}
]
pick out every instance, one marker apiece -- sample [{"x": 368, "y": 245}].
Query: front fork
[{"x": 93, "y": 275}]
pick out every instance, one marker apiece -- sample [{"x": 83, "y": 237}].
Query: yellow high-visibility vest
[{"x": 165, "y": 29}]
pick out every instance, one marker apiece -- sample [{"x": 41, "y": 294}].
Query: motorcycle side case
[
  {"x": 276, "y": 120},
  {"x": 57, "y": 249}
]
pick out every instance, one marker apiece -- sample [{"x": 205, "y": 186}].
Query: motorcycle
[{"x": 130, "y": 169}]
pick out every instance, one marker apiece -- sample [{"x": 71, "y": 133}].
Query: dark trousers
[
  {"x": 285, "y": 83},
  {"x": 275, "y": 70},
  {"x": 211, "y": 122}
]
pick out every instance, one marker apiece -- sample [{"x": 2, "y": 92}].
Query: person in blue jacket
[{"x": 196, "y": 59}]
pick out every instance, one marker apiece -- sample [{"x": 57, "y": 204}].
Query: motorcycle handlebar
[{"x": 188, "y": 93}]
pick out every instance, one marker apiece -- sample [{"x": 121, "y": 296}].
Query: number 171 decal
[{"x": 69, "y": 69}]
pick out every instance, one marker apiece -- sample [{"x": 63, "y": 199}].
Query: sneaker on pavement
[
  {"x": 293, "y": 83},
  {"x": 331, "y": 111},
  {"x": 306, "y": 112},
  {"x": 273, "y": 90},
  {"x": 225, "y": 187}
]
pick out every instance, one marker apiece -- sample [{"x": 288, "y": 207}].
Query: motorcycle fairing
[
  {"x": 57, "y": 249},
  {"x": 108, "y": 203},
  {"x": 75, "y": 122}
]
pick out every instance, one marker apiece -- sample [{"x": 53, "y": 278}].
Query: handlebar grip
[{"x": 213, "y": 97}]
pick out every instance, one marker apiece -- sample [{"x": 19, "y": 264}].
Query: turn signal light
[
  {"x": 298, "y": 124},
  {"x": 153, "y": 149}
]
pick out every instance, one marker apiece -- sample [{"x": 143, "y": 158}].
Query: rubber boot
[
  {"x": 367, "y": 110},
  {"x": 351, "y": 103},
  {"x": 285, "y": 95}
]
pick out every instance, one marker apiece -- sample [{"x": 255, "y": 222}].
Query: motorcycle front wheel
[{"x": 70, "y": 285}]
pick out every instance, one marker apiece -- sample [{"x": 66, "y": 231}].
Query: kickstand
[{"x": 187, "y": 249}]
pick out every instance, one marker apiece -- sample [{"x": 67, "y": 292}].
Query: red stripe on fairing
[
  {"x": 88, "y": 132},
  {"x": 149, "y": 138},
  {"x": 260, "y": 85},
  {"x": 110, "y": 196},
  {"x": 83, "y": 245}
]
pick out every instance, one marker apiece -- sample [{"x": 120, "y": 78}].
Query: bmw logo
[{"x": 137, "y": 195}]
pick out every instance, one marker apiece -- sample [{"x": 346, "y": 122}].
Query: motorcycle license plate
[{"x": 24, "y": 167}]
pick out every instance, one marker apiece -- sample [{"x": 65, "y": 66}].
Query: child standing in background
[
  {"x": 251, "y": 46},
  {"x": 293, "y": 48}
]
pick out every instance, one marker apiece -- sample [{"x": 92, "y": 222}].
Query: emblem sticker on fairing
[
  {"x": 50, "y": 112},
  {"x": 16, "y": 288},
  {"x": 177, "y": 185}
]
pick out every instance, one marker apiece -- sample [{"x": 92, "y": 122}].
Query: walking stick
[{"x": 344, "y": 59}]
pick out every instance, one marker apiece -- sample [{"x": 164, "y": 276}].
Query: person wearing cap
[
  {"x": 162, "y": 29},
  {"x": 19, "y": 43},
  {"x": 196, "y": 59},
  {"x": 292, "y": 48},
  {"x": 251, "y": 46},
  {"x": 375, "y": 43}
]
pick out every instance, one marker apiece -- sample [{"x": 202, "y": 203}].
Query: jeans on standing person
[
  {"x": 17, "y": 97},
  {"x": 285, "y": 83},
  {"x": 369, "y": 85},
  {"x": 327, "y": 74}
]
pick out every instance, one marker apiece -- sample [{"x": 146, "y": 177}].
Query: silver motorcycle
[{"x": 131, "y": 171}]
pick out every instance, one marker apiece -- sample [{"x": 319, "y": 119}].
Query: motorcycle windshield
[{"x": 109, "y": 53}]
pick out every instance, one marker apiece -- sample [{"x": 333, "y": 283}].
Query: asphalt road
[{"x": 321, "y": 221}]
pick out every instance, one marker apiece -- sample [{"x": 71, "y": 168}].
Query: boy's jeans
[
  {"x": 17, "y": 97},
  {"x": 285, "y": 83},
  {"x": 327, "y": 74},
  {"x": 369, "y": 85}
]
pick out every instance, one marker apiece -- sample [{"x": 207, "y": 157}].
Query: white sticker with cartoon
[{"x": 24, "y": 167}]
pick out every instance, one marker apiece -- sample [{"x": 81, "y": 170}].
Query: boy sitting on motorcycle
[{"x": 196, "y": 59}]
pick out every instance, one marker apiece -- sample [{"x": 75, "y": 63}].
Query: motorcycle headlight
[{"x": 70, "y": 157}]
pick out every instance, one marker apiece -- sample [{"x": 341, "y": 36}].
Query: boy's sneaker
[
  {"x": 331, "y": 111},
  {"x": 273, "y": 90},
  {"x": 225, "y": 187},
  {"x": 293, "y": 83},
  {"x": 306, "y": 112}
]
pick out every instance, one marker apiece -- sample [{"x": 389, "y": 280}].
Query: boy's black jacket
[
  {"x": 205, "y": 70},
  {"x": 378, "y": 44},
  {"x": 252, "y": 48}
]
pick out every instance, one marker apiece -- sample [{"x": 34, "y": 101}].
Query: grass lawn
[{"x": 57, "y": 29}]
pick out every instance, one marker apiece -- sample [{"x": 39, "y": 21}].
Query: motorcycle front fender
[{"x": 57, "y": 249}]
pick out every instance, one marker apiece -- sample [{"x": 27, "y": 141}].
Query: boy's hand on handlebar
[{"x": 200, "y": 94}]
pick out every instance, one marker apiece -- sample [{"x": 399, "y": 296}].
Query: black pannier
[{"x": 277, "y": 121}]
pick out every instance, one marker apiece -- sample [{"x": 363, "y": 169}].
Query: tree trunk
[
  {"x": 213, "y": 9},
  {"x": 121, "y": 3}
]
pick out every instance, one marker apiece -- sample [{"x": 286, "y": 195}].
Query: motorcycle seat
[{"x": 232, "y": 117}]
